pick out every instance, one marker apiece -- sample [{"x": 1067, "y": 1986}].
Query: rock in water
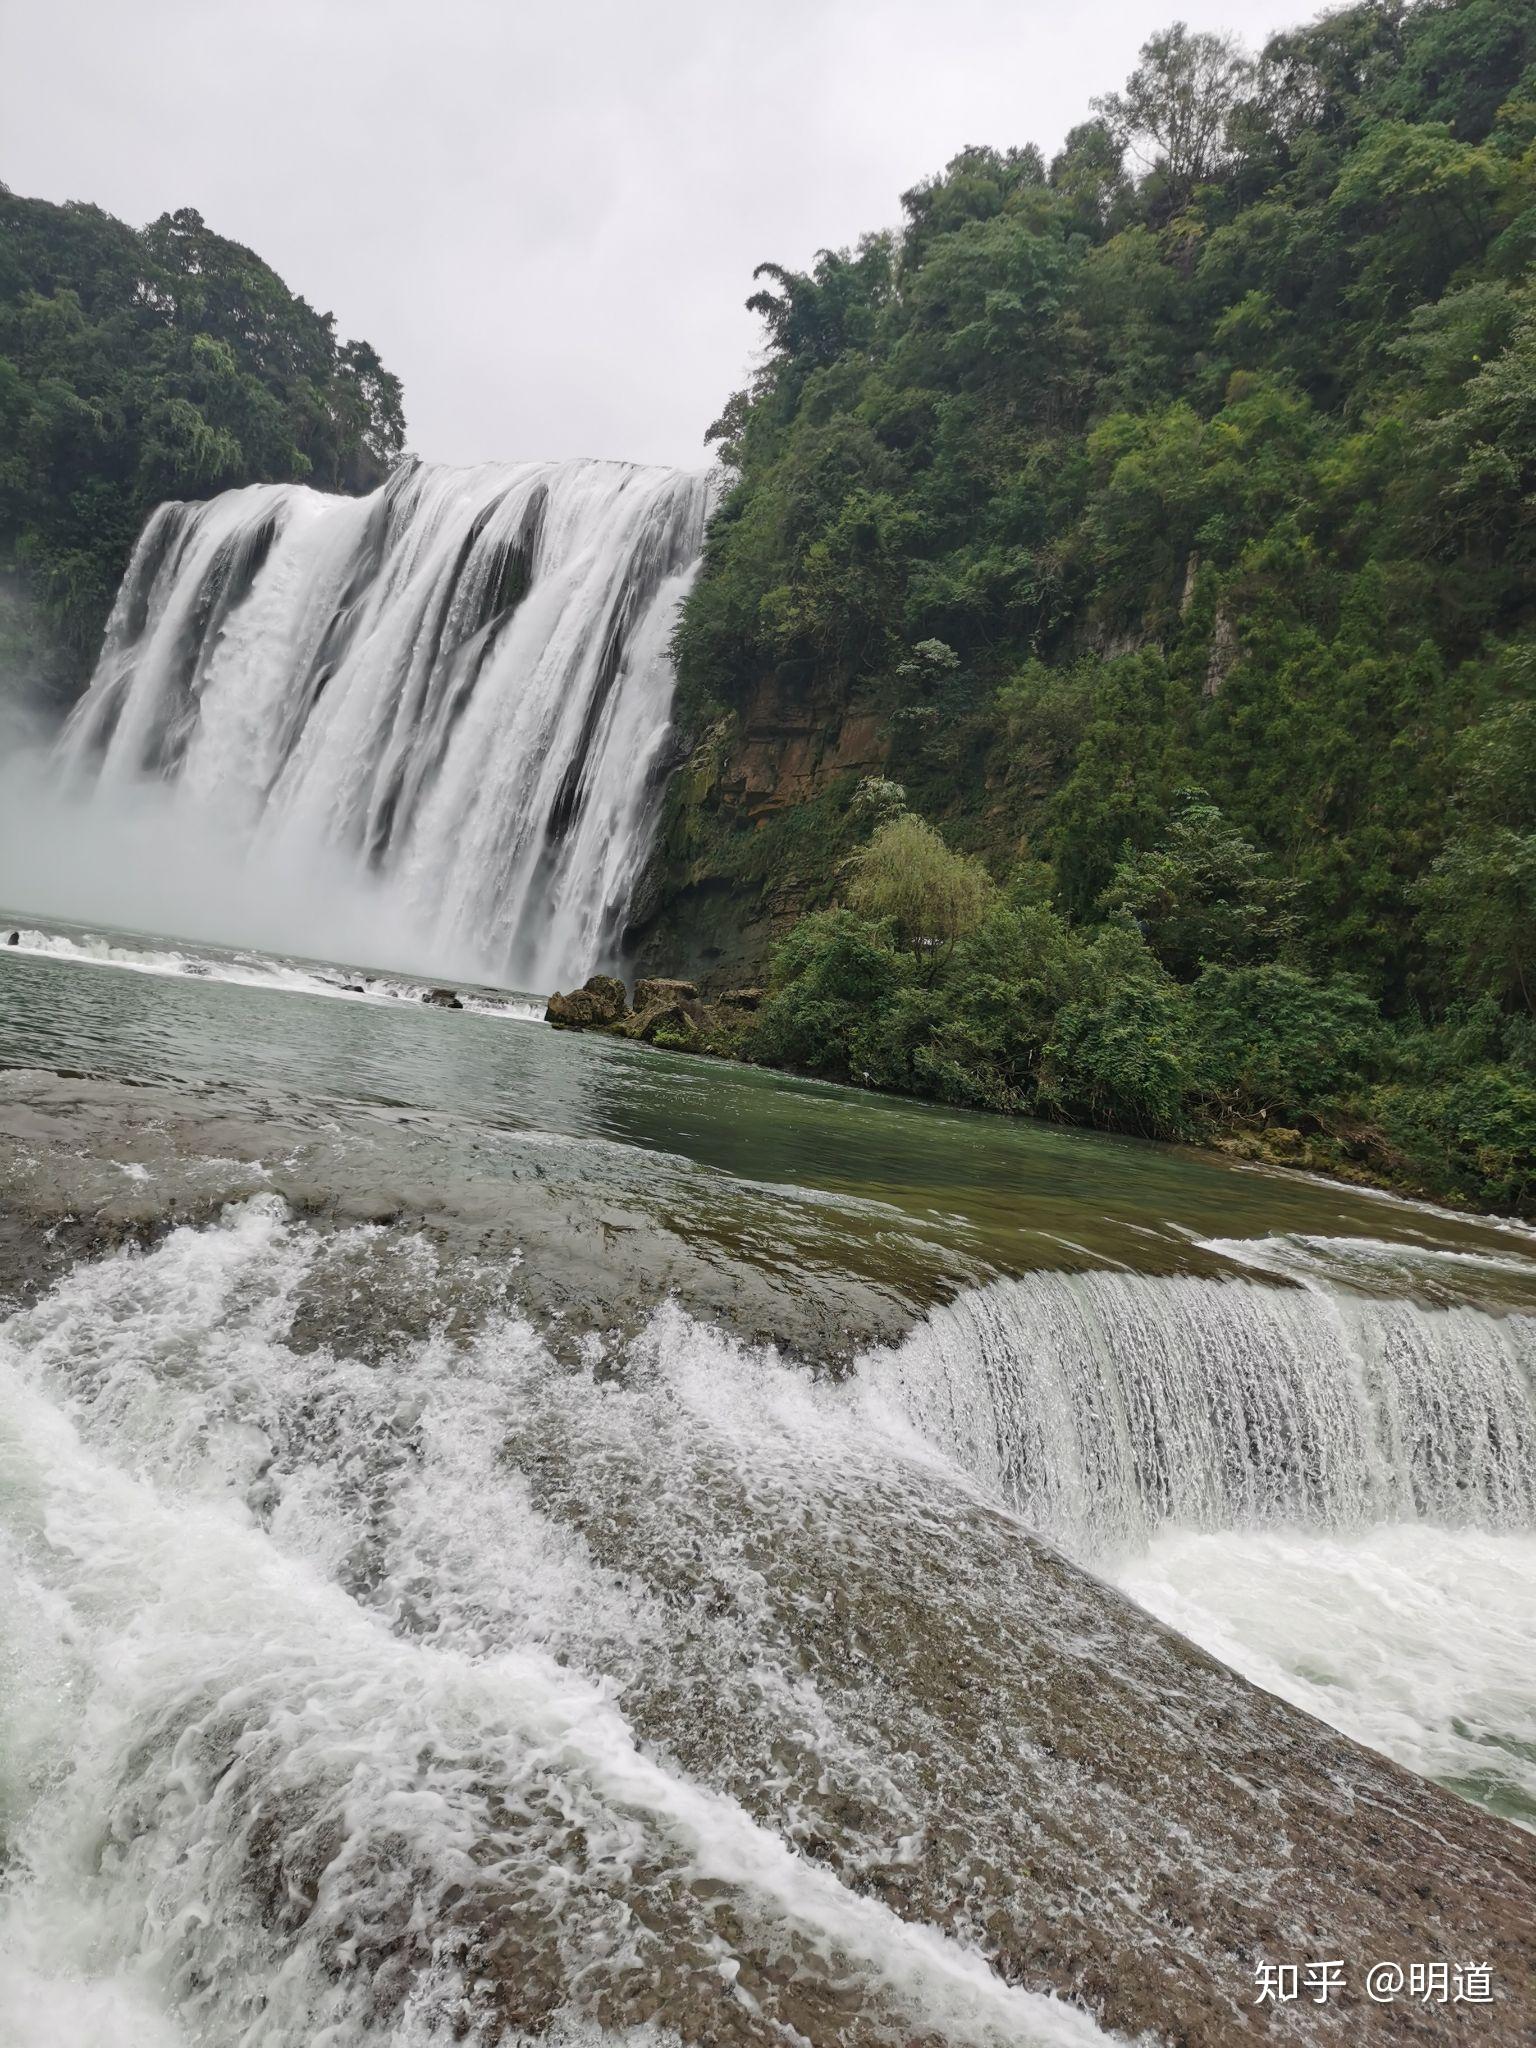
[
  {"x": 598, "y": 1004},
  {"x": 443, "y": 999},
  {"x": 14, "y": 939},
  {"x": 666, "y": 1013},
  {"x": 660, "y": 994},
  {"x": 673, "y": 1026}
]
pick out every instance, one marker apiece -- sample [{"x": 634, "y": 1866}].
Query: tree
[
  {"x": 137, "y": 365},
  {"x": 1122, "y": 1052},
  {"x": 877, "y": 800},
  {"x": 830, "y": 976},
  {"x": 1274, "y": 1040},
  {"x": 1205, "y": 894},
  {"x": 1178, "y": 104},
  {"x": 1479, "y": 898},
  {"x": 1089, "y": 172},
  {"x": 932, "y": 896}
]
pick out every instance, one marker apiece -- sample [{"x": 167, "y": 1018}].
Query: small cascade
[
  {"x": 1104, "y": 1405},
  {"x": 459, "y": 686}
]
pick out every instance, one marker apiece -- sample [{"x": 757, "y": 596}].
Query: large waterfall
[{"x": 456, "y": 690}]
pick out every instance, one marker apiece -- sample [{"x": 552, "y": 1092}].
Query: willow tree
[{"x": 932, "y": 896}]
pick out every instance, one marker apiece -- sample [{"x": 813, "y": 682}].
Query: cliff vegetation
[
  {"x": 1112, "y": 681},
  {"x": 143, "y": 364}
]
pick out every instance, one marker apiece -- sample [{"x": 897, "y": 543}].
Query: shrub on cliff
[
  {"x": 1471, "y": 1138},
  {"x": 1204, "y": 894},
  {"x": 831, "y": 975},
  {"x": 1274, "y": 1041}
]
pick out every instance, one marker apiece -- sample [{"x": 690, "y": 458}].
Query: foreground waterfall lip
[
  {"x": 478, "y": 1567},
  {"x": 460, "y": 686},
  {"x": 1104, "y": 1405},
  {"x": 453, "y": 1691}
]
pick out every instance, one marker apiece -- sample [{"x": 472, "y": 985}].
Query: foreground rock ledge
[{"x": 1018, "y": 1754}]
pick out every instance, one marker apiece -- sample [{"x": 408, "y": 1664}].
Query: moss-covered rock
[{"x": 598, "y": 1004}]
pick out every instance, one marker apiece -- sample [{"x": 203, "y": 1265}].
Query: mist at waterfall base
[
  {"x": 423, "y": 730},
  {"x": 145, "y": 860}
]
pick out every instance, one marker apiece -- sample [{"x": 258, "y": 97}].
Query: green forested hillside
[
  {"x": 1171, "y": 509},
  {"x": 138, "y": 365}
]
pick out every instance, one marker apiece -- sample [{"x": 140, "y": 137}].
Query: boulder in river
[
  {"x": 657, "y": 993},
  {"x": 443, "y": 998},
  {"x": 14, "y": 939},
  {"x": 598, "y": 1004},
  {"x": 667, "y": 1013},
  {"x": 671, "y": 1025}
]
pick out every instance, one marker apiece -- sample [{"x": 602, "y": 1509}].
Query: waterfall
[
  {"x": 1104, "y": 1405},
  {"x": 459, "y": 687},
  {"x": 376, "y": 1673}
]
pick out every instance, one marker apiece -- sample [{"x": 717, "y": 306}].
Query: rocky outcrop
[
  {"x": 1225, "y": 651},
  {"x": 730, "y": 873},
  {"x": 658, "y": 991},
  {"x": 599, "y": 1003},
  {"x": 443, "y": 998},
  {"x": 667, "y": 1012}
]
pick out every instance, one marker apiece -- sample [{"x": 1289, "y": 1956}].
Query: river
[{"x": 521, "y": 1536}]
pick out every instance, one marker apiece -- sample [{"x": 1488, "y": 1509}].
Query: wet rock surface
[
  {"x": 941, "y": 1716},
  {"x": 89, "y": 1164},
  {"x": 666, "y": 1013},
  {"x": 601, "y": 1000},
  {"x": 1013, "y": 1752}
]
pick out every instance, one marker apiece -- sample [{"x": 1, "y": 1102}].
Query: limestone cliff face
[
  {"x": 790, "y": 749},
  {"x": 753, "y": 829}
]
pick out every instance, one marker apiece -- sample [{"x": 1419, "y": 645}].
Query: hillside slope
[
  {"x": 1167, "y": 540},
  {"x": 138, "y": 365}
]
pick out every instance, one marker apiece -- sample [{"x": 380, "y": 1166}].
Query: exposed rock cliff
[{"x": 753, "y": 827}]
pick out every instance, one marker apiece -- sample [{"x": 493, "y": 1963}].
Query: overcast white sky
[{"x": 545, "y": 216}]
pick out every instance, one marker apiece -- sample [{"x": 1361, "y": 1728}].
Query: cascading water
[
  {"x": 1103, "y": 1405},
  {"x": 387, "y": 1660},
  {"x": 312, "y": 1744},
  {"x": 1331, "y": 1489},
  {"x": 456, "y": 690}
]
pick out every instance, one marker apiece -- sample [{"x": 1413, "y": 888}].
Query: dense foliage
[
  {"x": 142, "y": 365},
  {"x": 1174, "y": 506}
]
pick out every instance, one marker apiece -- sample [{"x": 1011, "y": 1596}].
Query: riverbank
[{"x": 1334, "y": 1142}]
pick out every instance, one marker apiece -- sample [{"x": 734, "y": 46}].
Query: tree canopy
[
  {"x": 138, "y": 365},
  {"x": 1202, "y": 459}
]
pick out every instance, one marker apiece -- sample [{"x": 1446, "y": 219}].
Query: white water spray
[
  {"x": 449, "y": 701},
  {"x": 1332, "y": 1490},
  {"x": 1102, "y": 1406},
  {"x": 296, "y": 1746}
]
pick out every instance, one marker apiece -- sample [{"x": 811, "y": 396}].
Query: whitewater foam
[
  {"x": 1103, "y": 1405},
  {"x": 1418, "y": 1641},
  {"x": 256, "y": 970},
  {"x": 284, "y": 1745},
  {"x": 450, "y": 701}
]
